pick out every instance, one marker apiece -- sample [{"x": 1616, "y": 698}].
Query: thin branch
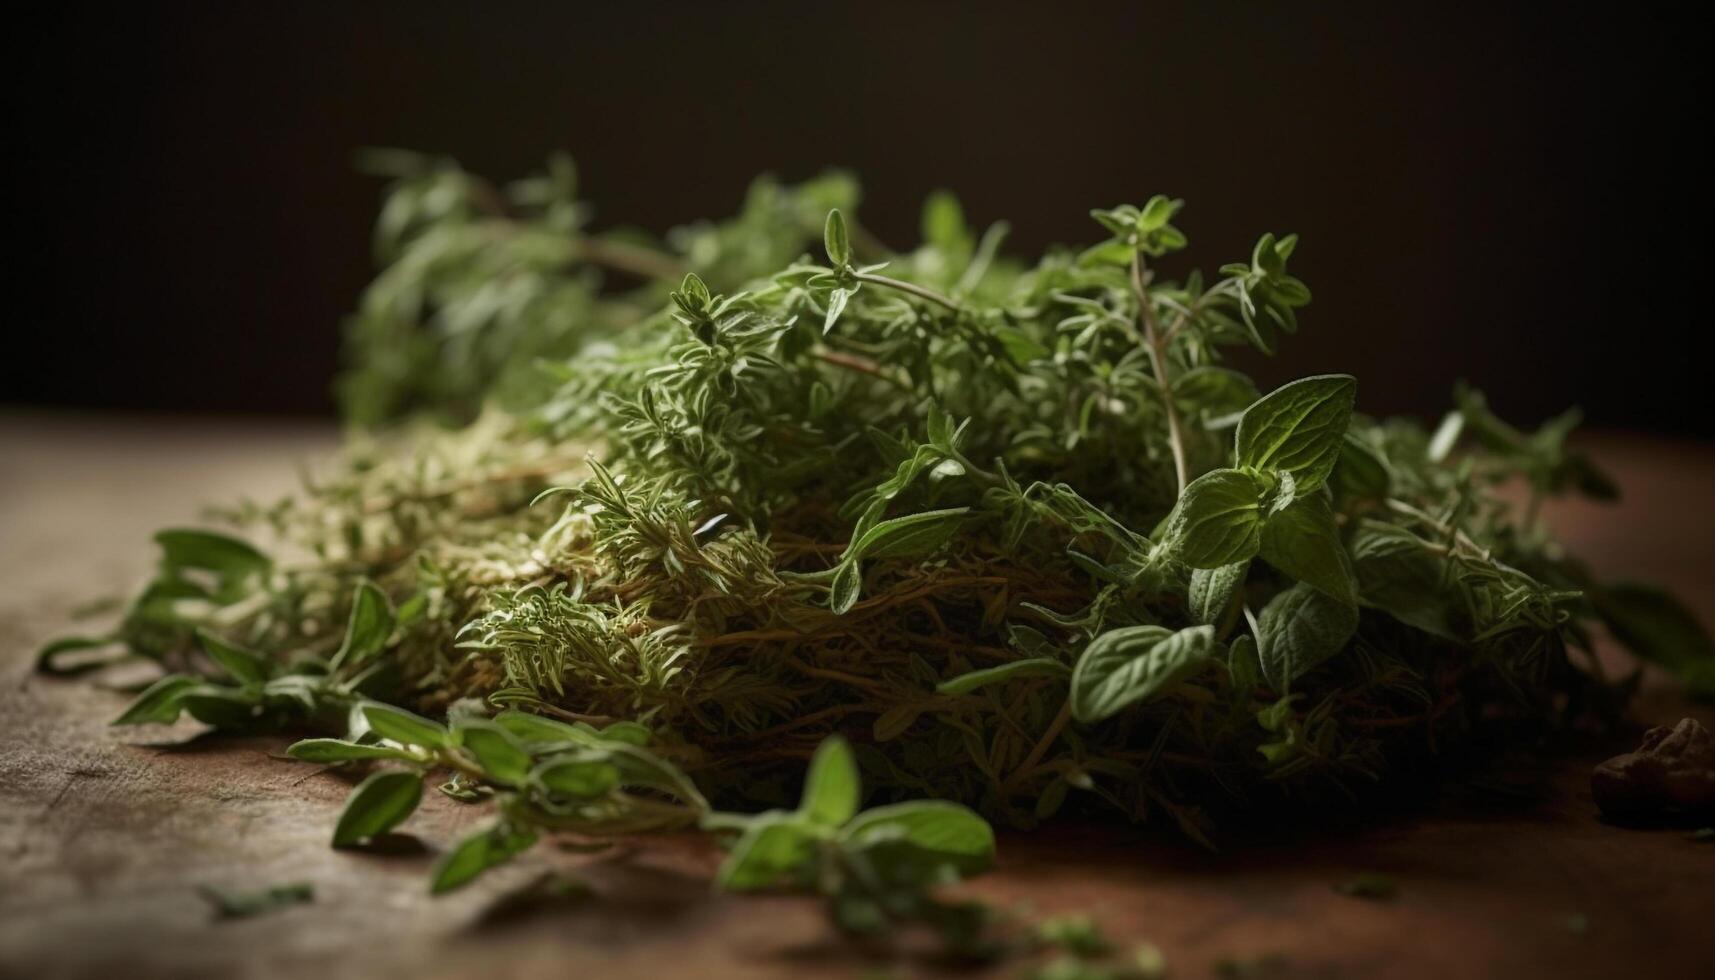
[{"x": 1157, "y": 343}]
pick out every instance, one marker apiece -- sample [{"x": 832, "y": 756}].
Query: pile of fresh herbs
[{"x": 631, "y": 530}]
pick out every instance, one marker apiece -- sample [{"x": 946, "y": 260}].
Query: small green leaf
[
  {"x": 578, "y": 777},
  {"x": 331, "y": 750},
  {"x": 1298, "y": 630},
  {"x": 244, "y": 665},
  {"x": 847, "y": 587},
  {"x": 1298, "y": 428},
  {"x": 502, "y": 759},
  {"x": 1360, "y": 473},
  {"x": 536, "y": 730},
  {"x": 210, "y": 550},
  {"x": 228, "y": 709},
  {"x": 487, "y": 848},
  {"x": 159, "y": 704},
  {"x": 377, "y": 805},
  {"x": 244, "y": 905},
  {"x": 404, "y": 727},
  {"x": 1657, "y": 627},
  {"x": 1017, "y": 670},
  {"x": 836, "y": 241},
  {"x": 1370, "y": 884},
  {"x": 1135, "y": 663},
  {"x": 1303, "y": 542},
  {"x": 773, "y": 847},
  {"x": 836, "y": 305},
  {"x": 1212, "y": 590},
  {"x": 367, "y": 630},
  {"x": 1218, "y": 520},
  {"x": 910, "y": 536},
  {"x": 952, "y": 832},
  {"x": 831, "y": 788},
  {"x": 49, "y": 657}
]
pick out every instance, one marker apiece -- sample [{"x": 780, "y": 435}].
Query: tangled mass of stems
[{"x": 650, "y": 525}]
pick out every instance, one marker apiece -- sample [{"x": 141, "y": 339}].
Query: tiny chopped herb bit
[
  {"x": 1578, "y": 923},
  {"x": 1704, "y": 834},
  {"x": 1076, "y": 934},
  {"x": 663, "y": 520},
  {"x": 1370, "y": 884},
  {"x": 244, "y": 904}
]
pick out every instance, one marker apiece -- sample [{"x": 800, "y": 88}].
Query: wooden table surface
[{"x": 105, "y": 832}]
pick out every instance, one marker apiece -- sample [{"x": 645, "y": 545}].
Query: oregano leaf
[
  {"x": 1135, "y": 663},
  {"x": 1298, "y": 428}
]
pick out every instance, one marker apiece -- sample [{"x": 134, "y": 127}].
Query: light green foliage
[{"x": 710, "y": 501}]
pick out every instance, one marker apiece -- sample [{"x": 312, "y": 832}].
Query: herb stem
[
  {"x": 1157, "y": 342},
  {"x": 921, "y": 292},
  {"x": 638, "y": 260}
]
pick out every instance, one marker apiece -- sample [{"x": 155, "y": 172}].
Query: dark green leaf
[
  {"x": 243, "y": 905},
  {"x": 159, "y": 704},
  {"x": 1303, "y": 542},
  {"x": 367, "y": 630},
  {"x": 377, "y": 805},
  {"x": 836, "y": 241},
  {"x": 487, "y": 848},
  {"x": 331, "y": 750},
  {"x": 952, "y": 832},
  {"x": 774, "y": 847},
  {"x": 1298, "y": 630},
  {"x": 578, "y": 777},
  {"x": 908, "y": 536},
  {"x": 247, "y": 666}
]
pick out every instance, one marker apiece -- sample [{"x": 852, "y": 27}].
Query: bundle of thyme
[{"x": 631, "y": 530}]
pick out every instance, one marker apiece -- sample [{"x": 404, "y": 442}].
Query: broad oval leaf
[
  {"x": 579, "y": 777},
  {"x": 1298, "y": 428},
  {"x": 773, "y": 847},
  {"x": 1218, "y": 520},
  {"x": 1212, "y": 589},
  {"x": 832, "y": 787},
  {"x": 404, "y": 727},
  {"x": 1300, "y": 629},
  {"x": 534, "y": 729},
  {"x": 377, "y": 805},
  {"x": 1135, "y": 663},
  {"x": 502, "y": 758},
  {"x": 952, "y": 832},
  {"x": 470, "y": 857},
  {"x": 1017, "y": 670},
  {"x": 1302, "y": 541}
]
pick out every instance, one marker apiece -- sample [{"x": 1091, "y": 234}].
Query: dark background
[{"x": 1516, "y": 198}]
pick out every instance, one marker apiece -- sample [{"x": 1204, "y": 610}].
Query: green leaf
[
  {"x": 1218, "y": 520},
  {"x": 1135, "y": 663},
  {"x": 1212, "y": 589},
  {"x": 377, "y": 805},
  {"x": 536, "y": 730},
  {"x": 1298, "y": 428},
  {"x": 1303, "y": 542},
  {"x": 1397, "y": 574},
  {"x": 331, "y": 750},
  {"x": 847, "y": 587},
  {"x": 943, "y": 223},
  {"x": 832, "y": 788},
  {"x": 1360, "y": 473},
  {"x": 836, "y": 241},
  {"x": 910, "y": 536},
  {"x": 502, "y": 759},
  {"x": 1655, "y": 626},
  {"x": 1298, "y": 630},
  {"x": 48, "y": 658},
  {"x": 487, "y": 848},
  {"x": 247, "y": 666},
  {"x": 370, "y": 625},
  {"x": 244, "y": 905},
  {"x": 836, "y": 305},
  {"x": 1017, "y": 670},
  {"x": 578, "y": 777},
  {"x": 159, "y": 704},
  {"x": 211, "y": 551},
  {"x": 773, "y": 847},
  {"x": 404, "y": 727},
  {"x": 952, "y": 832},
  {"x": 225, "y": 708}
]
